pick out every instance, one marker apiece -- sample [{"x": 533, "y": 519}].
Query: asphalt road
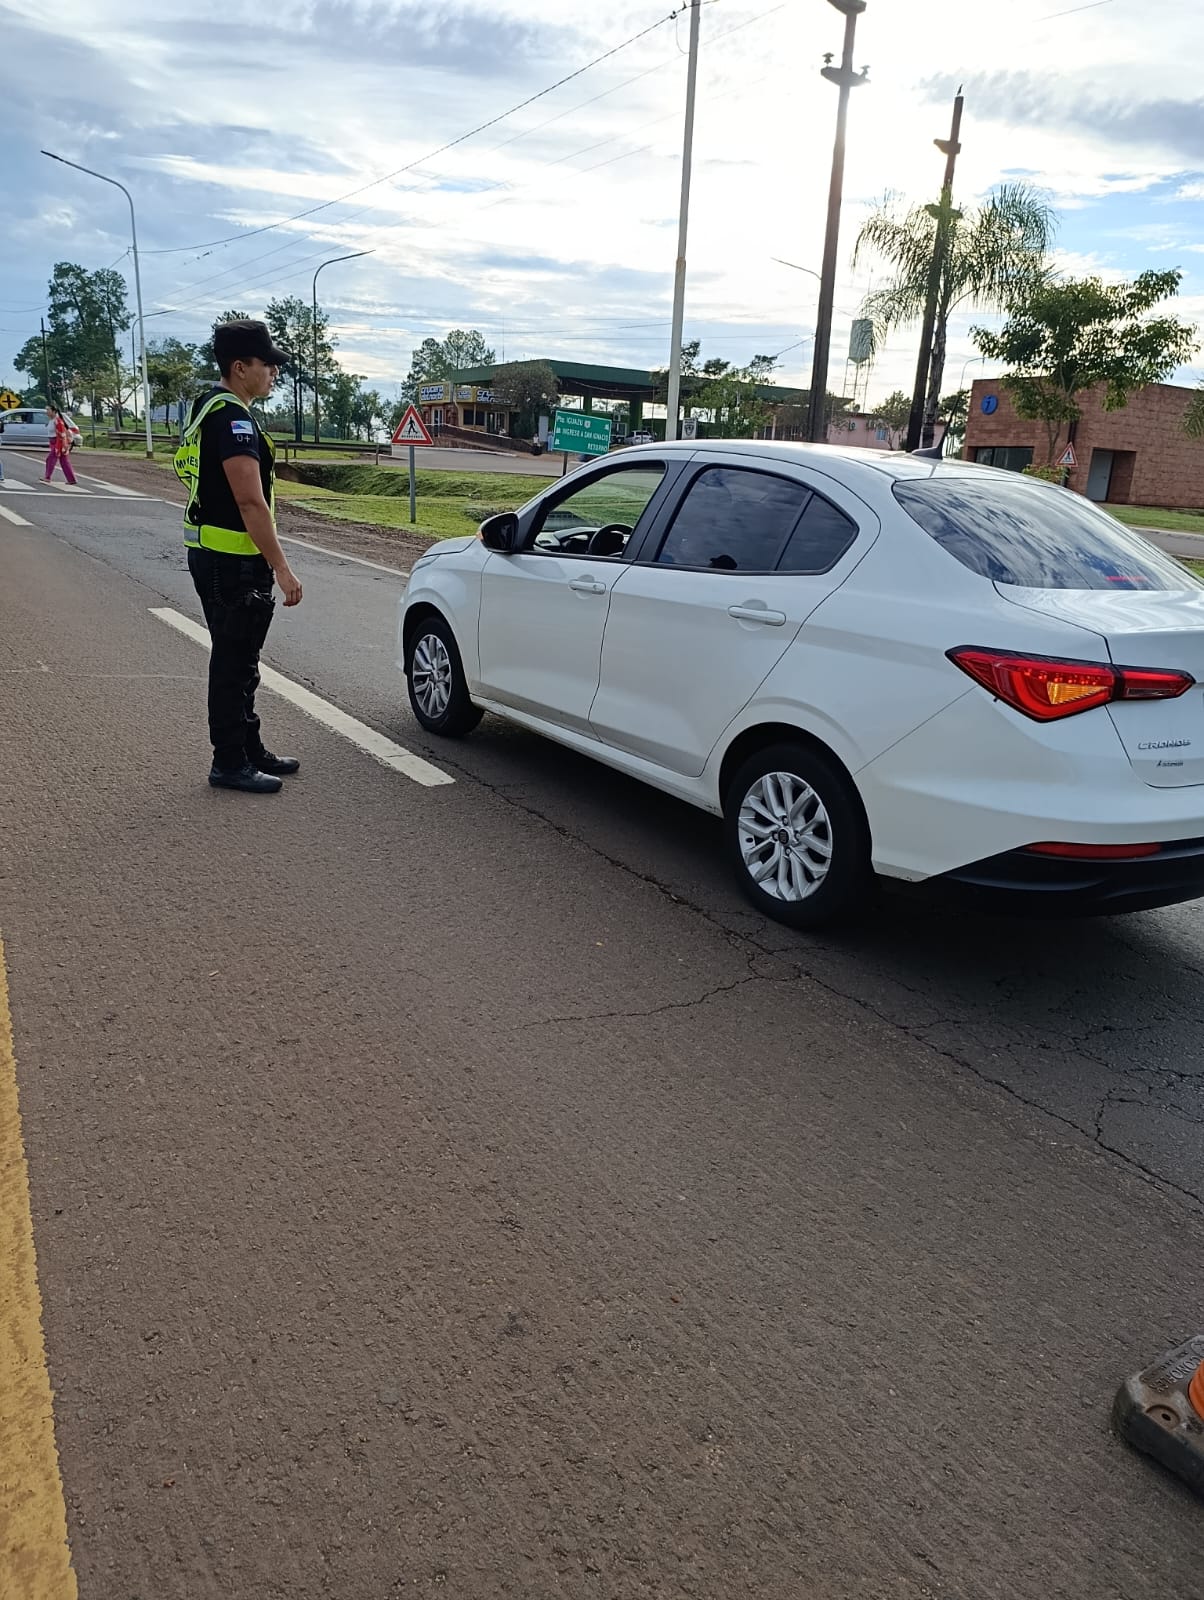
[{"x": 457, "y": 1189}]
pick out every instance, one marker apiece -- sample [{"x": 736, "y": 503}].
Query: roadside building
[
  {"x": 466, "y": 403},
  {"x": 867, "y": 432},
  {"x": 1137, "y": 456}
]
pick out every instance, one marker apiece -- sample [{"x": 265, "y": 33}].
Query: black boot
[
  {"x": 277, "y": 766},
  {"x": 245, "y": 778}
]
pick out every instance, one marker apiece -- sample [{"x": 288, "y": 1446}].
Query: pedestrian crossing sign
[
  {"x": 1069, "y": 459},
  {"x": 411, "y": 429}
]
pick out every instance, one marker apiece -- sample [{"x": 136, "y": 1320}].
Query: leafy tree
[
  {"x": 367, "y": 410},
  {"x": 291, "y": 323},
  {"x": 1080, "y": 334},
  {"x": 443, "y": 358},
  {"x": 527, "y": 387},
  {"x": 893, "y": 414},
  {"x": 87, "y": 310},
  {"x": 339, "y": 394},
  {"x": 954, "y": 411},
  {"x": 996, "y": 255},
  {"x": 171, "y": 369}
]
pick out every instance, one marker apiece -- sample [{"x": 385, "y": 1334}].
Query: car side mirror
[{"x": 500, "y": 532}]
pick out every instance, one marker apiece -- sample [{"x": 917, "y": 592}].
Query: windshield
[{"x": 1035, "y": 535}]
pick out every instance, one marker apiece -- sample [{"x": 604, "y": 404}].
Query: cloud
[{"x": 1078, "y": 103}]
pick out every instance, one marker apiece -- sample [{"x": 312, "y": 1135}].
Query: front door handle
[
  {"x": 592, "y": 586},
  {"x": 775, "y": 619}
]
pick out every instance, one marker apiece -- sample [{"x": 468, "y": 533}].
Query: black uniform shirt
[{"x": 229, "y": 430}]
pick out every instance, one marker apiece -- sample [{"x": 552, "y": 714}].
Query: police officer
[{"x": 226, "y": 461}]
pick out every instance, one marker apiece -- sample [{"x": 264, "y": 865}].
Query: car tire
[
  {"x": 793, "y": 820},
  {"x": 438, "y": 688}
]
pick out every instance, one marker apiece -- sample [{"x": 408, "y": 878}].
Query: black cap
[{"x": 245, "y": 341}]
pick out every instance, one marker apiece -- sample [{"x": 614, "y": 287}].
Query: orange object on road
[{"x": 1195, "y": 1391}]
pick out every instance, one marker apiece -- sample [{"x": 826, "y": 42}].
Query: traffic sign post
[
  {"x": 580, "y": 433},
  {"x": 411, "y": 431}
]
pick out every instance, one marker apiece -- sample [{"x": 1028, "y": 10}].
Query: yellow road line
[{"x": 35, "y": 1560}]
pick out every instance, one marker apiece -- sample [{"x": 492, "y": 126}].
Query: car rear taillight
[{"x": 1047, "y": 687}]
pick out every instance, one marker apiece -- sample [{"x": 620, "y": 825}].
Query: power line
[
  {"x": 1093, "y": 5},
  {"x": 434, "y": 222},
  {"x": 431, "y": 155}
]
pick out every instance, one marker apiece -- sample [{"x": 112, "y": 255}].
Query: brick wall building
[{"x": 1138, "y": 456}]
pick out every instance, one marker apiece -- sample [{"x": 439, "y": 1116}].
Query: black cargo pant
[{"x": 236, "y": 596}]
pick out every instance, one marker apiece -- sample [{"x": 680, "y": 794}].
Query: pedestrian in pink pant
[{"x": 60, "y": 445}]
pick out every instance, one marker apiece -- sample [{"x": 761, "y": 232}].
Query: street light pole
[
  {"x": 673, "y": 394},
  {"x": 314, "y": 327},
  {"x": 146, "y": 405},
  {"x": 845, "y": 79}
]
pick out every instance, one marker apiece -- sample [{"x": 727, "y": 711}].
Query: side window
[
  {"x": 598, "y": 518},
  {"x": 821, "y": 537},
  {"x": 734, "y": 519}
]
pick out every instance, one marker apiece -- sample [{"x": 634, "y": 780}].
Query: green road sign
[{"x": 581, "y": 434}]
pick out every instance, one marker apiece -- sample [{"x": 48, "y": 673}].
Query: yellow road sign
[{"x": 8, "y": 400}]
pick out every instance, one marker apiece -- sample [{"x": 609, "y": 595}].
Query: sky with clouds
[{"x": 554, "y": 229}]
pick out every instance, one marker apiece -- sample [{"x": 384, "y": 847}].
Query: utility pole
[
  {"x": 845, "y": 79},
  {"x": 673, "y": 395},
  {"x": 46, "y": 362},
  {"x": 920, "y": 427}
]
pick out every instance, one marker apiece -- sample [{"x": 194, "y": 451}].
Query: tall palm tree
[{"x": 997, "y": 252}]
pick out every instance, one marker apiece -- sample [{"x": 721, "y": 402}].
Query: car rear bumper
[{"x": 1022, "y": 883}]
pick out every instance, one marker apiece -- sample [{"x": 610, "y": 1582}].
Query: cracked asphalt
[{"x": 462, "y": 1190}]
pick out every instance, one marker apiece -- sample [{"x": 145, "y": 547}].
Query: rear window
[{"x": 1035, "y": 535}]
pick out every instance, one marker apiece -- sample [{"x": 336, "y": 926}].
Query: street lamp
[
  {"x": 146, "y": 405},
  {"x": 355, "y": 254}
]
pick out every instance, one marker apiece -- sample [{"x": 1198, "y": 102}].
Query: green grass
[
  {"x": 1156, "y": 517},
  {"x": 450, "y": 504}
]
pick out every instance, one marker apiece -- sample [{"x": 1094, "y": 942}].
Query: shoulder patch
[{"x": 244, "y": 430}]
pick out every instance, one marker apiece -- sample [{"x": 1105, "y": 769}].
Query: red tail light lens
[{"x": 1047, "y": 687}]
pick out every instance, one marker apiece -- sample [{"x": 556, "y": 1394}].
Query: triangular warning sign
[
  {"x": 411, "y": 429},
  {"x": 1069, "y": 459}
]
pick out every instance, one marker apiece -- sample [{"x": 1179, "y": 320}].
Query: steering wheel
[{"x": 609, "y": 539}]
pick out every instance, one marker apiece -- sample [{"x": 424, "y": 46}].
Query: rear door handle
[
  {"x": 775, "y": 619},
  {"x": 592, "y": 586}
]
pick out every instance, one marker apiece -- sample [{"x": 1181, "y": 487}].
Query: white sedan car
[
  {"x": 30, "y": 426},
  {"x": 870, "y": 665}
]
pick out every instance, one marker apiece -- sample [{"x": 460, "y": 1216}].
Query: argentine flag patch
[{"x": 243, "y": 430}]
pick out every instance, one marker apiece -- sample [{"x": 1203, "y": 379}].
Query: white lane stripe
[
  {"x": 69, "y": 488},
  {"x": 113, "y": 488},
  {"x": 337, "y": 555},
  {"x": 11, "y": 516},
  {"x": 393, "y": 756}
]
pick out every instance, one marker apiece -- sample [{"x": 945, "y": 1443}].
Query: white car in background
[
  {"x": 869, "y": 664},
  {"x": 28, "y": 426}
]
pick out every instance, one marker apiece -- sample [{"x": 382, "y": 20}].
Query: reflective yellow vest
[{"x": 200, "y": 535}]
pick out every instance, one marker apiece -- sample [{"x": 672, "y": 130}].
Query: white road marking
[
  {"x": 337, "y": 555},
  {"x": 69, "y": 488},
  {"x": 11, "y": 516},
  {"x": 393, "y": 756},
  {"x": 113, "y": 488}
]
